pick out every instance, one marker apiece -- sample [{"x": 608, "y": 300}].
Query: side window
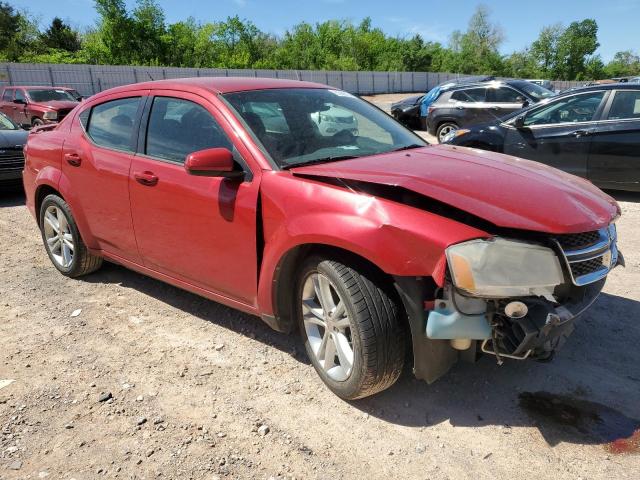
[
  {"x": 179, "y": 127},
  {"x": 7, "y": 96},
  {"x": 504, "y": 95},
  {"x": 578, "y": 108},
  {"x": 84, "y": 118},
  {"x": 111, "y": 123},
  {"x": 20, "y": 95},
  {"x": 469, "y": 95},
  {"x": 626, "y": 104}
]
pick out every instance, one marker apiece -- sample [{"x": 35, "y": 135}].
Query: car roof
[
  {"x": 603, "y": 86},
  {"x": 484, "y": 83},
  {"x": 217, "y": 85},
  {"x": 38, "y": 87}
]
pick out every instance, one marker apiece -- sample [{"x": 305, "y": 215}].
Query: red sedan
[{"x": 369, "y": 241}]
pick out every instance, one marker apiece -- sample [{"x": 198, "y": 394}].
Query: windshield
[
  {"x": 6, "y": 124},
  {"x": 49, "y": 95},
  {"x": 535, "y": 91},
  {"x": 298, "y": 126}
]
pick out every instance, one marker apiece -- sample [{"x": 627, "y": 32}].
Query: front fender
[{"x": 398, "y": 239}]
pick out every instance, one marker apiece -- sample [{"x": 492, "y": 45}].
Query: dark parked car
[
  {"x": 407, "y": 111},
  {"x": 593, "y": 132},
  {"x": 12, "y": 140},
  {"x": 33, "y": 106},
  {"x": 466, "y": 105}
]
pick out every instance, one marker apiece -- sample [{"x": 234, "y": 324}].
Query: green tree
[
  {"x": 60, "y": 36},
  {"x": 624, "y": 63}
]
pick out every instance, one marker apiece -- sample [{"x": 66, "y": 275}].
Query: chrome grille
[
  {"x": 589, "y": 256},
  {"x": 11, "y": 158}
]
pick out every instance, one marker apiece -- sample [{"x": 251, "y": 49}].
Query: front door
[
  {"x": 20, "y": 109},
  {"x": 614, "y": 159},
  {"x": 558, "y": 134},
  {"x": 200, "y": 230}
]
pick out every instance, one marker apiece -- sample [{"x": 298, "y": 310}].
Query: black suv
[{"x": 463, "y": 106}]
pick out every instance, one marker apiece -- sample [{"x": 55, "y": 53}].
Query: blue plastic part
[{"x": 448, "y": 324}]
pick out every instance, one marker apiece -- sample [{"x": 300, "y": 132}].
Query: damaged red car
[{"x": 367, "y": 240}]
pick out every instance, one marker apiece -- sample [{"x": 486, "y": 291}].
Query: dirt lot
[{"x": 187, "y": 385}]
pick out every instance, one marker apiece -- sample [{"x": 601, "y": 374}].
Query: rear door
[
  {"x": 97, "y": 159},
  {"x": 559, "y": 133},
  {"x": 614, "y": 158},
  {"x": 503, "y": 100},
  {"x": 196, "y": 229},
  {"x": 470, "y": 105}
]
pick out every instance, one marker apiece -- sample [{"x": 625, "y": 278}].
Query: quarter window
[
  {"x": 111, "y": 124},
  {"x": 179, "y": 127},
  {"x": 577, "y": 108},
  {"x": 626, "y": 104},
  {"x": 470, "y": 95}
]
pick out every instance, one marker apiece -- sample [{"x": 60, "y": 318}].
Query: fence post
[
  {"x": 53, "y": 83},
  {"x": 9, "y": 74},
  {"x": 389, "y": 89},
  {"x": 413, "y": 82},
  {"x": 93, "y": 87},
  {"x": 341, "y": 80},
  {"x": 135, "y": 74},
  {"x": 357, "y": 83}
]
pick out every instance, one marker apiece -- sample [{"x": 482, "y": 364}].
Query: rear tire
[
  {"x": 352, "y": 328},
  {"x": 62, "y": 240},
  {"x": 444, "y": 129}
]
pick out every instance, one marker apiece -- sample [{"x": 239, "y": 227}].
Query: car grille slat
[
  {"x": 11, "y": 159},
  {"x": 590, "y": 255}
]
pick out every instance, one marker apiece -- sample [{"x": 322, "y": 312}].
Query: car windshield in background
[
  {"x": 299, "y": 126},
  {"x": 6, "y": 124},
  {"x": 49, "y": 95},
  {"x": 535, "y": 91}
]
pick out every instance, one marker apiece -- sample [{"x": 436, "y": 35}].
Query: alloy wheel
[
  {"x": 58, "y": 236},
  {"x": 444, "y": 131},
  {"x": 328, "y": 327}
]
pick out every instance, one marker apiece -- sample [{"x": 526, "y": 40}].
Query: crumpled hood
[{"x": 506, "y": 191}]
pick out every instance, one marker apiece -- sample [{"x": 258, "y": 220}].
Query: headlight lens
[
  {"x": 504, "y": 268},
  {"x": 50, "y": 115}
]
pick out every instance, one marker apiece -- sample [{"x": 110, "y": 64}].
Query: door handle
[
  {"x": 582, "y": 133},
  {"x": 73, "y": 159},
  {"x": 148, "y": 179}
]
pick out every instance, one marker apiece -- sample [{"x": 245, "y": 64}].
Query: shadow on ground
[
  {"x": 11, "y": 196},
  {"x": 559, "y": 398}
]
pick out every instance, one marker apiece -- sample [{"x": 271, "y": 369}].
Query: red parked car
[
  {"x": 370, "y": 242},
  {"x": 34, "y": 106}
]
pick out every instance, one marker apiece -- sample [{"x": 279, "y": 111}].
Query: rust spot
[{"x": 595, "y": 422}]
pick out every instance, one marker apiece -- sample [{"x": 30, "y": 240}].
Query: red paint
[
  {"x": 202, "y": 233},
  {"x": 625, "y": 445}
]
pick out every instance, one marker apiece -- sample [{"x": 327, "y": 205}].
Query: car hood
[
  {"x": 13, "y": 138},
  {"x": 56, "y": 104},
  {"x": 506, "y": 191},
  {"x": 407, "y": 102}
]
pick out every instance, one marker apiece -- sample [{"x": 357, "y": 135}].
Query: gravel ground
[{"x": 120, "y": 376}]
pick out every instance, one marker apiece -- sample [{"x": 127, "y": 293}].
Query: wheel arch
[
  {"x": 41, "y": 192},
  {"x": 288, "y": 266}
]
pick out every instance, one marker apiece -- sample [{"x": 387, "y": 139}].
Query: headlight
[
  {"x": 504, "y": 268},
  {"x": 454, "y": 133},
  {"x": 50, "y": 115}
]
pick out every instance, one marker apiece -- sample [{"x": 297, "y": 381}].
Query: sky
[{"x": 434, "y": 20}]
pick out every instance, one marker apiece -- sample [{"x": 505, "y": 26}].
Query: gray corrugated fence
[{"x": 90, "y": 79}]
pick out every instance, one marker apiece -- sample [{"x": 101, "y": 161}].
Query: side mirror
[
  {"x": 212, "y": 162},
  {"x": 19, "y": 101},
  {"x": 519, "y": 121}
]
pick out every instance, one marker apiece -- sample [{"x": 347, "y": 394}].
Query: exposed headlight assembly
[
  {"x": 498, "y": 268},
  {"x": 50, "y": 115},
  {"x": 455, "y": 133}
]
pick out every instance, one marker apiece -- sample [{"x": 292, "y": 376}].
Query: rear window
[
  {"x": 7, "y": 96},
  {"x": 626, "y": 104},
  {"x": 111, "y": 124},
  {"x": 469, "y": 95}
]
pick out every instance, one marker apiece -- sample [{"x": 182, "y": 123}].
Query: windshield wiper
[
  {"x": 408, "y": 147},
  {"x": 320, "y": 160}
]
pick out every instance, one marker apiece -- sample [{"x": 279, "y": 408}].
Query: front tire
[
  {"x": 352, "y": 328},
  {"x": 62, "y": 240},
  {"x": 36, "y": 122}
]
